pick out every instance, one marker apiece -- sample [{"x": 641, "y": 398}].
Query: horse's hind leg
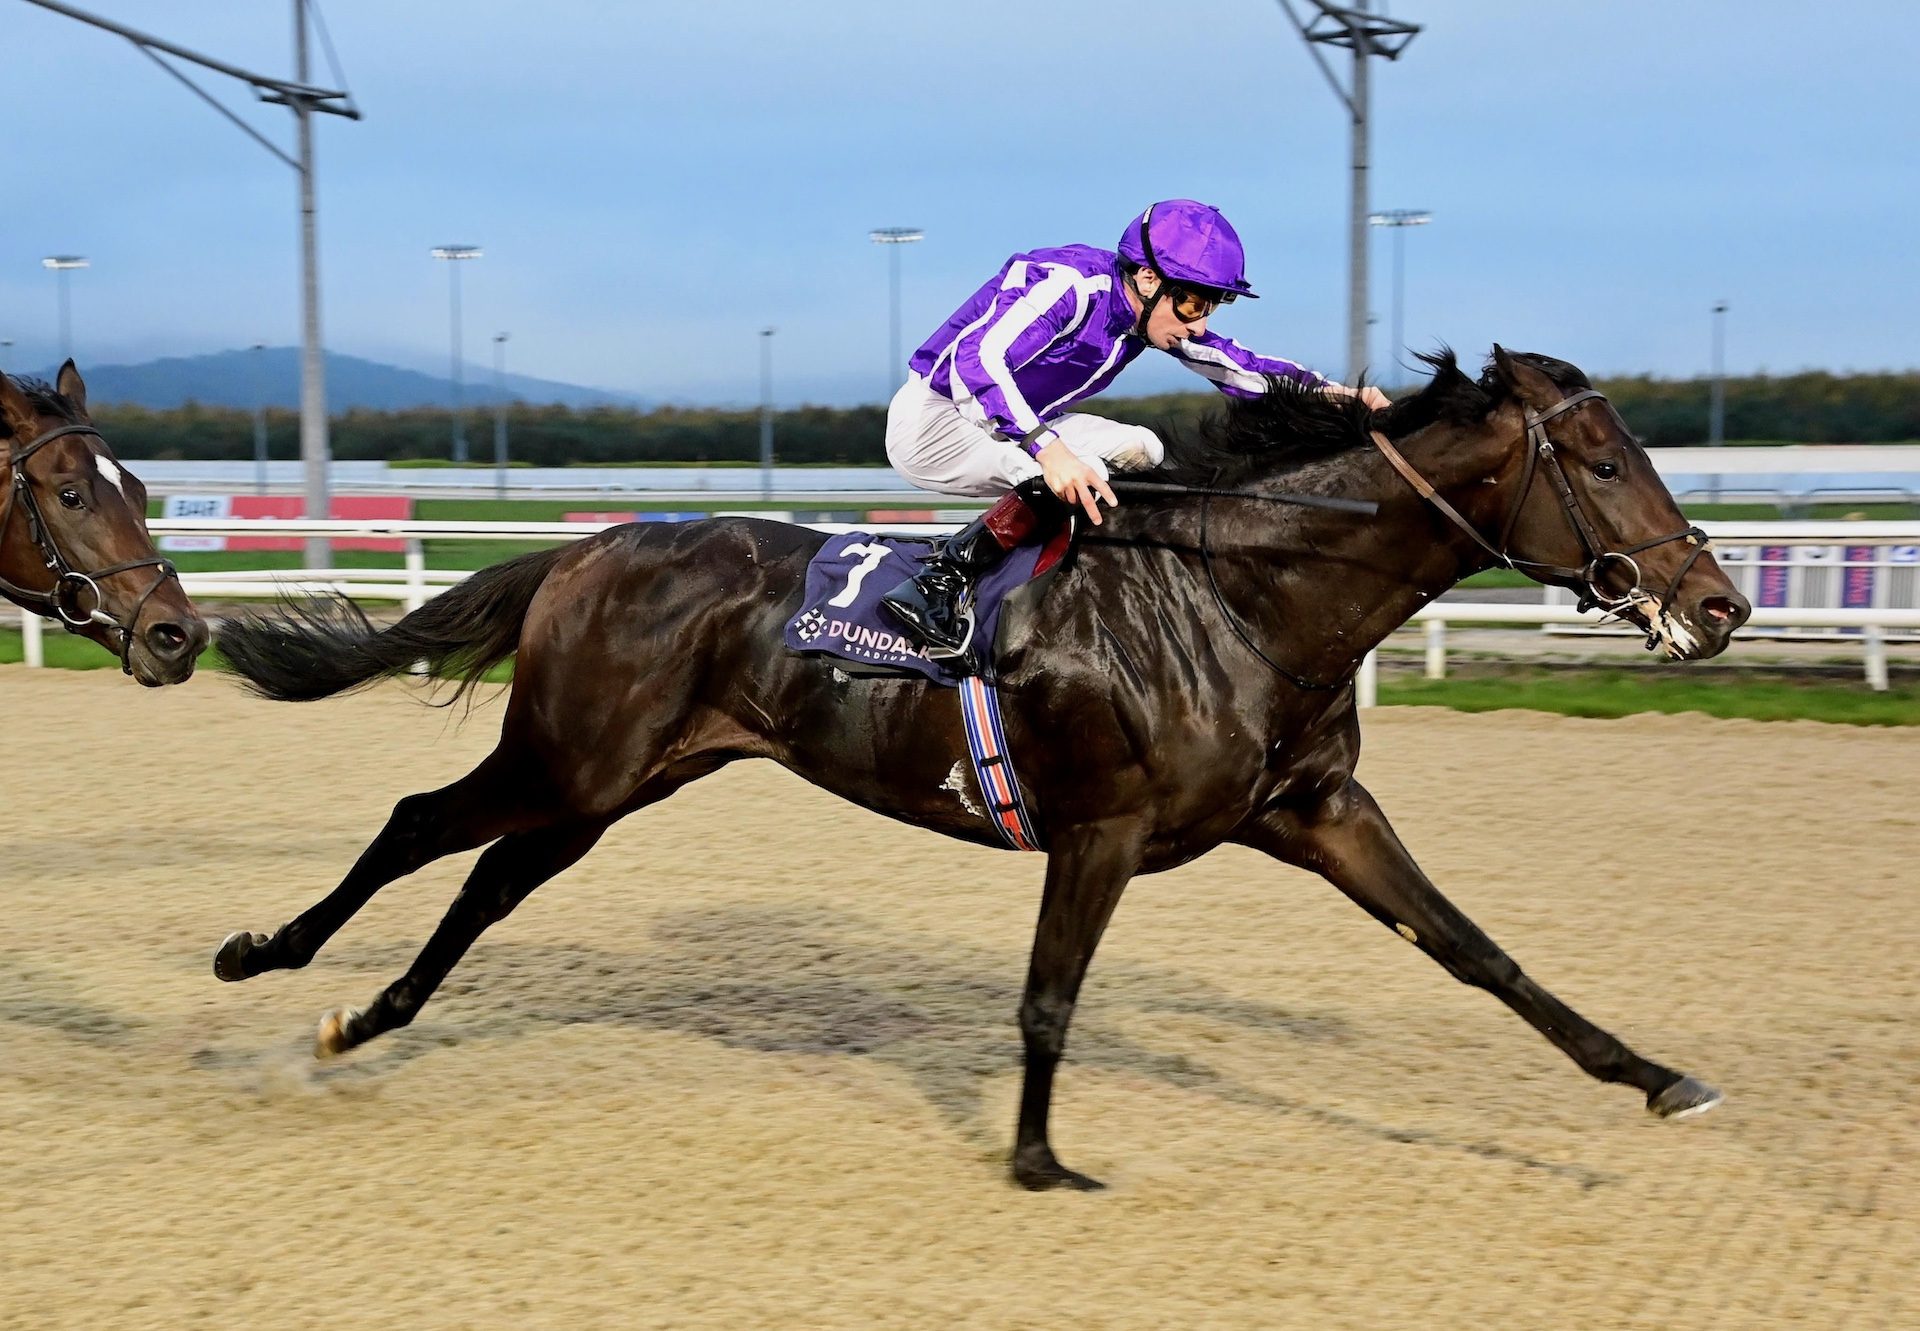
[
  {"x": 509, "y": 870},
  {"x": 503, "y": 877},
  {"x": 1349, "y": 842},
  {"x": 495, "y": 798}
]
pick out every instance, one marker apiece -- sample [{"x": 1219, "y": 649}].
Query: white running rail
[{"x": 413, "y": 583}]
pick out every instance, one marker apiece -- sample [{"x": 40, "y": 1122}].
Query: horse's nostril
[
  {"x": 1721, "y": 610},
  {"x": 167, "y": 639}
]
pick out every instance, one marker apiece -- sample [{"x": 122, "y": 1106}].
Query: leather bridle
[
  {"x": 1540, "y": 449},
  {"x": 68, "y": 599}
]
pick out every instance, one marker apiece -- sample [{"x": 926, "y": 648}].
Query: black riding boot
[{"x": 937, "y": 603}]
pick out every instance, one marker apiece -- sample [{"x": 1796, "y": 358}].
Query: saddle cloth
[{"x": 842, "y": 615}]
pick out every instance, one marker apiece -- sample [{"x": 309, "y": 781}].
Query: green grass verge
[
  {"x": 1626, "y": 691},
  {"x": 63, "y": 651}
]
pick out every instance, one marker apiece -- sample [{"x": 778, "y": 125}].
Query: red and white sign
[{"x": 345, "y": 508}]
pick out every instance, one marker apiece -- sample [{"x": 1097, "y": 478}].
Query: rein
[
  {"x": 65, "y": 599},
  {"x": 1540, "y": 448},
  {"x": 1233, "y": 620},
  {"x": 1366, "y": 508}
]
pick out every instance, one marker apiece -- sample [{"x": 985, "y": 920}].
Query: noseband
[
  {"x": 68, "y": 599},
  {"x": 1589, "y": 575}
]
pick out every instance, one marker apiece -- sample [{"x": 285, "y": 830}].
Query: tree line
[{"x": 1814, "y": 407}]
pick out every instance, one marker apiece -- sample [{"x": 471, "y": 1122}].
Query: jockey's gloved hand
[
  {"x": 1367, "y": 393},
  {"x": 1076, "y": 480}
]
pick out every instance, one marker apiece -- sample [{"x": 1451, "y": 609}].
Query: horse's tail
[{"x": 317, "y": 646}]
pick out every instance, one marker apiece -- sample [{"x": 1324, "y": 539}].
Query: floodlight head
[
  {"x": 501, "y": 337},
  {"x": 62, "y": 262},
  {"x": 896, "y": 235},
  {"x": 456, "y": 251},
  {"x": 1400, "y": 217}
]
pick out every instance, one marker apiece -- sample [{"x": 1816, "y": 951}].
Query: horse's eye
[
  {"x": 1606, "y": 471},
  {"x": 70, "y": 498}
]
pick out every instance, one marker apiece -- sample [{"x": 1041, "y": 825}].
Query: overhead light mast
[{"x": 1353, "y": 27}]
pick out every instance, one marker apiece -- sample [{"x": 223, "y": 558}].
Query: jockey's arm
[{"x": 1238, "y": 372}]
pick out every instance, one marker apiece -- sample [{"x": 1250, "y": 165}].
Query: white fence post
[
  {"x": 416, "y": 575},
  {"x": 32, "y": 644},
  {"x": 1876, "y": 640},
  {"x": 1436, "y": 649},
  {"x": 1366, "y": 684}
]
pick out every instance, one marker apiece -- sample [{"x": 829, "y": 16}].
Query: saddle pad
[{"x": 842, "y": 615}]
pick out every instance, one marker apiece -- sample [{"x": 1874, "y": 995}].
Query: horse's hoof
[
  {"x": 230, "y": 961},
  {"x": 1044, "y": 1173},
  {"x": 331, "y": 1040},
  {"x": 1683, "y": 1099}
]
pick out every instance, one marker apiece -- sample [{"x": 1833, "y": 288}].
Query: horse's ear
[
  {"x": 72, "y": 387},
  {"x": 21, "y": 420},
  {"x": 1524, "y": 381}
]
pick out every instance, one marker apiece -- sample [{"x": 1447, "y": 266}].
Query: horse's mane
[
  {"x": 1292, "y": 424},
  {"x": 44, "y": 398}
]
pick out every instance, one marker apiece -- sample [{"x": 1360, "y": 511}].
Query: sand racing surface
[{"x": 753, "y": 1063}]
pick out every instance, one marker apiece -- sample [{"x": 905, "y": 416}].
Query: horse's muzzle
[
  {"x": 1709, "y": 621},
  {"x": 164, "y": 651}
]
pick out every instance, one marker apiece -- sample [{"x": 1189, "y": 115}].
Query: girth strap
[{"x": 993, "y": 764}]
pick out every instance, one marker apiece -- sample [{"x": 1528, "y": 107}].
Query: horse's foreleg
[
  {"x": 1086, "y": 872},
  {"x": 502, "y": 878},
  {"x": 1348, "y": 841},
  {"x": 489, "y": 801}
]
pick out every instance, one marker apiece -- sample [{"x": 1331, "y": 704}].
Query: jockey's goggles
[{"x": 1192, "y": 304}]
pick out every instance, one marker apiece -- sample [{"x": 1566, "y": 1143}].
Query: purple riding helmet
[{"x": 1189, "y": 243}]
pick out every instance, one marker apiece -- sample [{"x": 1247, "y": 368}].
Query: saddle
[{"x": 841, "y": 615}]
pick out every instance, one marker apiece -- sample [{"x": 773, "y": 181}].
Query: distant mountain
[{"x": 244, "y": 378}]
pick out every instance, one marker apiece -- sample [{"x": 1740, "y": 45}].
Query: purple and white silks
[{"x": 1052, "y": 328}]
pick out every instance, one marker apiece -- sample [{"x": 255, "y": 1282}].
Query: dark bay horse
[
  {"x": 1185, "y": 681},
  {"x": 73, "y": 535}
]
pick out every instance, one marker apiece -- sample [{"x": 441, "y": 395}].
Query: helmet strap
[{"x": 1152, "y": 265}]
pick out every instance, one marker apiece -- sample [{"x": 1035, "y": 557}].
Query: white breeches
[{"x": 937, "y": 448}]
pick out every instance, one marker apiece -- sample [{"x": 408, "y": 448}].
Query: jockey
[{"x": 983, "y": 411}]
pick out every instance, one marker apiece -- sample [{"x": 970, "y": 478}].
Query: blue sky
[{"x": 655, "y": 182}]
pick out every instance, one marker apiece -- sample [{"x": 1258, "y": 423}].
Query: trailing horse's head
[{"x": 73, "y": 535}]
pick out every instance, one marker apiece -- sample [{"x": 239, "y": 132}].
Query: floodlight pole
[
  {"x": 1365, "y": 34},
  {"x": 893, "y": 237},
  {"x": 1398, "y": 220},
  {"x": 1717, "y": 411},
  {"x": 455, "y": 255},
  {"x": 60, "y": 265},
  {"x": 500, "y": 415},
  {"x": 1717, "y": 402},
  {"x": 259, "y": 420},
  {"x": 304, "y": 100},
  {"x": 316, "y": 450},
  {"x": 766, "y": 413}
]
